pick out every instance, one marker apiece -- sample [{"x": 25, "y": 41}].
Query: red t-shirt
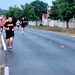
[{"x": 1, "y": 23}]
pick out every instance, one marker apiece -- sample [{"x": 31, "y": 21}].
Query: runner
[
  {"x": 18, "y": 24},
  {"x": 1, "y": 24},
  {"x": 23, "y": 24},
  {"x": 9, "y": 28}
]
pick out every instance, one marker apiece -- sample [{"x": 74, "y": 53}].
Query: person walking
[{"x": 9, "y": 27}]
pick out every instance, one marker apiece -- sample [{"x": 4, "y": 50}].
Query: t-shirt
[
  {"x": 10, "y": 25},
  {"x": 18, "y": 23},
  {"x": 1, "y": 23},
  {"x": 23, "y": 22}
]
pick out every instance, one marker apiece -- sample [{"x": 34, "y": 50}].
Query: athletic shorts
[
  {"x": 23, "y": 26},
  {"x": 17, "y": 25},
  {"x": 9, "y": 34},
  {"x": 1, "y": 26}
]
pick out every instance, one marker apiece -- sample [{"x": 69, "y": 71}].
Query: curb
[
  {"x": 3, "y": 43},
  {"x": 6, "y": 68}
]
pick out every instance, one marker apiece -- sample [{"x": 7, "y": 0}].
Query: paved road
[{"x": 42, "y": 53}]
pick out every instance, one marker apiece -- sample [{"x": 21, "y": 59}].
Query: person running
[
  {"x": 17, "y": 24},
  {"x": 23, "y": 24},
  {"x": 1, "y": 24},
  {"x": 9, "y": 27}
]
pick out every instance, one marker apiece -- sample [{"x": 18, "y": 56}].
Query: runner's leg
[
  {"x": 7, "y": 42},
  {"x": 1, "y": 28},
  {"x": 11, "y": 42},
  {"x": 22, "y": 29},
  {"x": 18, "y": 27}
]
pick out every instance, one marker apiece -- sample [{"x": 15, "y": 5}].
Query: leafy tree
[
  {"x": 32, "y": 11},
  {"x": 2, "y": 11},
  {"x": 29, "y": 13},
  {"x": 54, "y": 11},
  {"x": 40, "y": 7},
  {"x": 66, "y": 9},
  {"x": 14, "y": 12}
]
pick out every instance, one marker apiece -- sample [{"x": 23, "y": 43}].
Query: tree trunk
[
  {"x": 36, "y": 23},
  {"x": 67, "y": 24}
]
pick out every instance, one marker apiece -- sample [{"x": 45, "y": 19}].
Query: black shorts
[
  {"x": 23, "y": 26},
  {"x": 17, "y": 25},
  {"x": 1, "y": 26},
  {"x": 9, "y": 34}
]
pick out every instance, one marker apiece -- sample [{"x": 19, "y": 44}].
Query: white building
[
  {"x": 44, "y": 20},
  {"x": 34, "y": 23}
]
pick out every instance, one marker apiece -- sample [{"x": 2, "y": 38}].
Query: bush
[{"x": 40, "y": 24}]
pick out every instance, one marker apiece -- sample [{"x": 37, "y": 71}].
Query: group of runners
[{"x": 10, "y": 26}]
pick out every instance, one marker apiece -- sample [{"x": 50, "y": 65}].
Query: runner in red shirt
[{"x": 1, "y": 24}]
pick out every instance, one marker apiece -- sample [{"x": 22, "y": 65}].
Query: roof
[
  {"x": 48, "y": 13},
  {"x": 45, "y": 15}
]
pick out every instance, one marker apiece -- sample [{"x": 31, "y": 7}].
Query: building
[{"x": 45, "y": 20}]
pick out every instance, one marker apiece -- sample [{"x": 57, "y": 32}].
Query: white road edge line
[
  {"x": 6, "y": 70},
  {"x": 62, "y": 46},
  {"x": 3, "y": 43},
  {"x": 50, "y": 41}
]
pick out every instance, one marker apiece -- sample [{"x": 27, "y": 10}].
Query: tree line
[
  {"x": 30, "y": 12},
  {"x": 63, "y": 10}
]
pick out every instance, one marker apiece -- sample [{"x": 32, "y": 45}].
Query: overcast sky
[{"x": 5, "y": 4}]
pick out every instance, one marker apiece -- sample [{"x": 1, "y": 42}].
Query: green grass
[{"x": 70, "y": 32}]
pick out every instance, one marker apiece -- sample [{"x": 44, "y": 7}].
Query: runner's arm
[
  {"x": 14, "y": 28},
  {"x": 5, "y": 28}
]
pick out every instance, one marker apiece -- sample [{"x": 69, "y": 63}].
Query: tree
[
  {"x": 2, "y": 11},
  {"x": 32, "y": 11},
  {"x": 29, "y": 13},
  {"x": 66, "y": 9},
  {"x": 40, "y": 7},
  {"x": 54, "y": 11},
  {"x": 14, "y": 12}
]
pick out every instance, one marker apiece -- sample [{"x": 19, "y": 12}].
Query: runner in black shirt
[
  {"x": 23, "y": 24},
  {"x": 9, "y": 28}
]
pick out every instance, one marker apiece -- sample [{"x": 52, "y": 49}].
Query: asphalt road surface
[{"x": 42, "y": 53}]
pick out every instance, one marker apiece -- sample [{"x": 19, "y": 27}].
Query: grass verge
[{"x": 70, "y": 32}]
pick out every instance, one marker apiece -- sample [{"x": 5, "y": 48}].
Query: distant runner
[
  {"x": 9, "y": 27},
  {"x": 1, "y": 24},
  {"x": 23, "y": 24},
  {"x": 17, "y": 24}
]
